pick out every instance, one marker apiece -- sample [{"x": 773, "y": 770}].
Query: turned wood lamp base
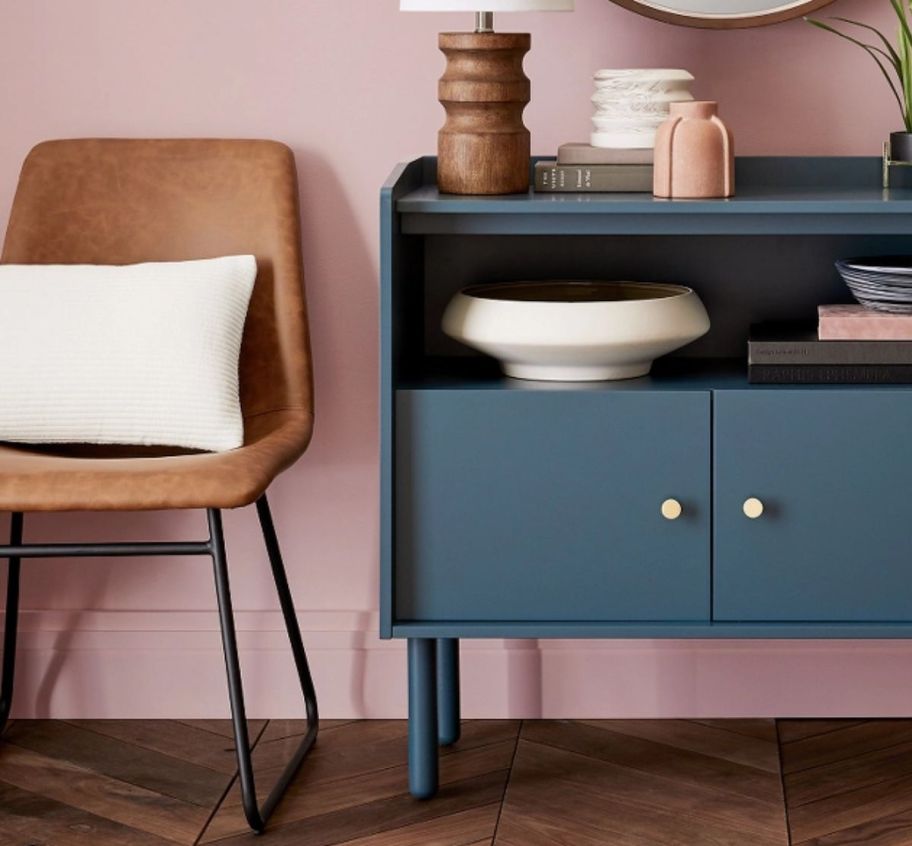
[{"x": 484, "y": 147}]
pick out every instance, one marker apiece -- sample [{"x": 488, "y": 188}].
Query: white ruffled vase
[{"x": 631, "y": 104}]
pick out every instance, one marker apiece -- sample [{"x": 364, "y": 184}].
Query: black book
[
  {"x": 797, "y": 344},
  {"x": 830, "y": 374}
]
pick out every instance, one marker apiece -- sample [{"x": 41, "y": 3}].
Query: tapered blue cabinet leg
[
  {"x": 422, "y": 666},
  {"x": 448, "y": 715}
]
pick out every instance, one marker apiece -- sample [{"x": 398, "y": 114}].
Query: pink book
[{"x": 857, "y": 323}]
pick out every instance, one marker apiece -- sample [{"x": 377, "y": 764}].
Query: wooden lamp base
[{"x": 484, "y": 147}]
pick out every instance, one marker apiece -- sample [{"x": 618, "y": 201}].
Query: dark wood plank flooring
[{"x": 506, "y": 783}]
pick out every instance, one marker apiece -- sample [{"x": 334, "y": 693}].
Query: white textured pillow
[{"x": 137, "y": 354}]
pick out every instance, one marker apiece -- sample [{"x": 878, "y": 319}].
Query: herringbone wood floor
[{"x": 583, "y": 783}]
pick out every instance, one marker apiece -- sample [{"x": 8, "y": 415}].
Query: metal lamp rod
[{"x": 484, "y": 22}]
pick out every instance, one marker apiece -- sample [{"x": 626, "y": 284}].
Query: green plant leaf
[
  {"x": 875, "y": 53},
  {"x": 905, "y": 58},
  {"x": 896, "y": 63},
  {"x": 893, "y": 55},
  {"x": 905, "y": 53},
  {"x": 903, "y": 22}
]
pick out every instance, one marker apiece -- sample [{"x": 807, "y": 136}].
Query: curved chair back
[{"x": 119, "y": 201}]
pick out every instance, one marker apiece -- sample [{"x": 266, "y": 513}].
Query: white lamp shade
[{"x": 486, "y": 5}]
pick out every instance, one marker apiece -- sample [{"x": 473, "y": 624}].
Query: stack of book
[
  {"x": 850, "y": 344},
  {"x": 584, "y": 168}
]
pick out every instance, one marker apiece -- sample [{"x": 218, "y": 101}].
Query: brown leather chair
[{"x": 112, "y": 201}]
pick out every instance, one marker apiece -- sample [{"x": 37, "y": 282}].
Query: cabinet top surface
[
  {"x": 670, "y": 374},
  {"x": 765, "y": 185}
]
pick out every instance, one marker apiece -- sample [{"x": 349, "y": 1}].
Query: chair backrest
[{"x": 120, "y": 201}]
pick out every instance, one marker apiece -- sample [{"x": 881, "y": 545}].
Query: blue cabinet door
[
  {"x": 833, "y": 470},
  {"x": 515, "y": 505}
]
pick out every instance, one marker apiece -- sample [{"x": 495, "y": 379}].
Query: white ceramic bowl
[{"x": 576, "y": 331}]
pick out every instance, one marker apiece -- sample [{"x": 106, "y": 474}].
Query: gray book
[
  {"x": 796, "y": 344},
  {"x": 551, "y": 177},
  {"x": 586, "y": 154}
]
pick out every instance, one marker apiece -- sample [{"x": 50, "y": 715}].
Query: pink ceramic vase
[{"x": 694, "y": 154}]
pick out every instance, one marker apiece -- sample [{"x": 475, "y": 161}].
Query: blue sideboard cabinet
[{"x": 534, "y": 510}]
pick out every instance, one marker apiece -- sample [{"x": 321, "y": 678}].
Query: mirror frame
[{"x": 740, "y": 22}]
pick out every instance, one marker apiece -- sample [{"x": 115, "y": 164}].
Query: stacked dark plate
[{"x": 882, "y": 283}]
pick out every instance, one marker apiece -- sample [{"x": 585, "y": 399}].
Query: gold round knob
[
  {"x": 753, "y": 508},
  {"x": 671, "y": 509}
]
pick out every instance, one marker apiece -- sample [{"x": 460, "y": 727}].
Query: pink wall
[{"x": 350, "y": 85}]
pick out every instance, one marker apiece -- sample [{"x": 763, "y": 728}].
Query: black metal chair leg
[
  {"x": 11, "y": 623},
  {"x": 257, "y": 816},
  {"x": 288, "y": 612}
]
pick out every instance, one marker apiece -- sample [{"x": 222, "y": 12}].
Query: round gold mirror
[{"x": 722, "y": 14}]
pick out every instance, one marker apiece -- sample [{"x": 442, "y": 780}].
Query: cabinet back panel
[{"x": 741, "y": 279}]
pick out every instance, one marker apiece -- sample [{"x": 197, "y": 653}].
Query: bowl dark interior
[{"x": 573, "y": 291}]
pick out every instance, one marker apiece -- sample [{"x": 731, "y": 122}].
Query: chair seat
[{"x": 94, "y": 478}]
